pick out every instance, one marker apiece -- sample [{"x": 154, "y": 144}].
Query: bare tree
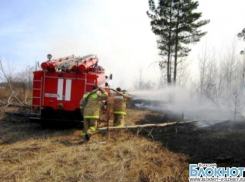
[
  {"x": 236, "y": 99},
  {"x": 222, "y": 80},
  {"x": 210, "y": 81},
  {"x": 141, "y": 84},
  {"x": 235, "y": 92},
  {"x": 183, "y": 73},
  {"x": 10, "y": 88},
  {"x": 24, "y": 80}
]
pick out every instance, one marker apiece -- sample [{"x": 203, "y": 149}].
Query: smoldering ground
[
  {"x": 214, "y": 138},
  {"x": 180, "y": 102}
]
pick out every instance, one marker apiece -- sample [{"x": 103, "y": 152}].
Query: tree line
[{"x": 16, "y": 88}]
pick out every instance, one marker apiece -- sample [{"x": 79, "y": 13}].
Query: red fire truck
[{"x": 59, "y": 86}]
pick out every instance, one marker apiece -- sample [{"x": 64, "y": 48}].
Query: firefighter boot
[{"x": 86, "y": 138}]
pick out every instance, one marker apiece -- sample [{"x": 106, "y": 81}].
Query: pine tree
[
  {"x": 176, "y": 25},
  {"x": 162, "y": 25}
]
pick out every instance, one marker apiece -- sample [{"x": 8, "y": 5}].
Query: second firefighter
[{"x": 119, "y": 107}]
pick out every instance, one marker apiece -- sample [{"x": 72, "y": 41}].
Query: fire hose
[
  {"x": 95, "y": 90},
  {"x": 134, "y": 126}
]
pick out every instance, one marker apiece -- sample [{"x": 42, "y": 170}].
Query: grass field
[{"x": 30, "y": 152}]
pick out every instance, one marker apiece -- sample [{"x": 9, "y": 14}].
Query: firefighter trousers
[
  {"x": 118, "y": 120},
  {"x": 89, "y": 126}
]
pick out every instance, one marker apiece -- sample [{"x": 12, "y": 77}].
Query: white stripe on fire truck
[
  {"x": 60, "y": 89},
  {"x": 68, "y": 90}
]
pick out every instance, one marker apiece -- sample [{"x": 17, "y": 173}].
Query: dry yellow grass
[{"x": 29, "y": 152}]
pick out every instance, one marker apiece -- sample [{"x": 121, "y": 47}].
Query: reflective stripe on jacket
[
  {"x": 120, "y": 101},
  {"x": 93, "y": 105}
]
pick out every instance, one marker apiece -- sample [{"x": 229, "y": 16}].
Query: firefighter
[
  {"x": 91, "y": 105},
  {"x": 119, "y": 107}
]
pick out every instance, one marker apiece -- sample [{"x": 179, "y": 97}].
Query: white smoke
[{"x": 181, "y": 101}]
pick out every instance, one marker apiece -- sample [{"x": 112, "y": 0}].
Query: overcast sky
[{"x": 118, "y": 31}]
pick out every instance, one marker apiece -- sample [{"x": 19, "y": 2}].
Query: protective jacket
[
  {"x": 91, "y": 104},
  {"x": 120, "y": 101}
]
